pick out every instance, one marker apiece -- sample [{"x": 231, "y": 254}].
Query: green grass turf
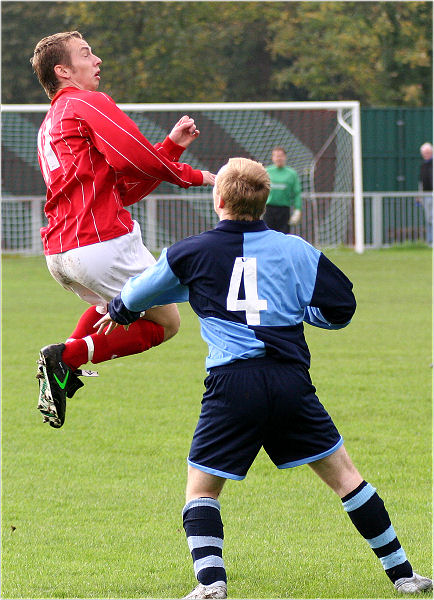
[{"x": 93, "y": 510}]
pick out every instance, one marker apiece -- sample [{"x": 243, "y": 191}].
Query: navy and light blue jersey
[{"x": 251, "y": 287}]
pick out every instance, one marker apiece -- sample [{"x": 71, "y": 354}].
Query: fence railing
[
  {"x": 327, "y": 219},
  {"x": 398, "y": 217}
]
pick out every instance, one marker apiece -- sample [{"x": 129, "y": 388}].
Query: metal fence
[
  {"x": 389, "y": 218},
  {"x": 393, "y": 218}
]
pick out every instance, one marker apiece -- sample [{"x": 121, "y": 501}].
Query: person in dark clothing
[
  {"x": 425, "y": 175},
  {"x": 425, "y": 185}
]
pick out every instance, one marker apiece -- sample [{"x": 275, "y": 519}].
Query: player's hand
[
  {"x": 208, "y": 178},
  {"x": 296, "y": 217},
  {"x": 184, "y": 132},
  {"x": 107, "y": 321}
]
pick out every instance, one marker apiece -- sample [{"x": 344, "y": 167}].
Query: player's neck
[{"x": 227, "y": 216}]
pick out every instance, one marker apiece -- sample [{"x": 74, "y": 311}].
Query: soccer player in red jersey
[{"x": 95, "y": 161}]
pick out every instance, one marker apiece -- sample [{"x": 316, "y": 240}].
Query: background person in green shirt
[{"x": 285, "y": 193}]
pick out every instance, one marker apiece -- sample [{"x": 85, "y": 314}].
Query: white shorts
[{"x": 98, "y": 272}]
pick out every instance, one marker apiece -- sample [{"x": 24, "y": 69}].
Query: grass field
[{"x": 93, "y": 510}]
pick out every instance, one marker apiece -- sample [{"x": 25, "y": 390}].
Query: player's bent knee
[
  {"x": 166, "y": 316},
  {"x": 172, "y": 328}
]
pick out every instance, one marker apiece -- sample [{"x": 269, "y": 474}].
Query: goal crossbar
[{"x": 189, "y": 106}]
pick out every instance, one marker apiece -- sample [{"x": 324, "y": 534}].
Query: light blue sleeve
[
  {"x": 157, "y": 285},
  {"x": 313, "y": 316}
]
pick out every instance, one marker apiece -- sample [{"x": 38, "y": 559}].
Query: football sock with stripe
[
  {"x": 368, "y": 514},
  {"x": 140, "y": 336},
  {"x": 204, "y": 529}
]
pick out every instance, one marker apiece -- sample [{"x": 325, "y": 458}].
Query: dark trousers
[{"x": 277, "y": 217}]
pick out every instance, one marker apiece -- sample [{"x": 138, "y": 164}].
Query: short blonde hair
[
  {"x": 49, "y": 52},
  {"x": 244, "y": 185}
]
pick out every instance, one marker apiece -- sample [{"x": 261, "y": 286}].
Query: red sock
[
  {"x": 140, "y": 336},
  {"x": 85, "y": 323},
  {"x": 76, "y": 353}
]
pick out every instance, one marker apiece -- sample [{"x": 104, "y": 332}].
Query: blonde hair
[
  {"x": 244, "y": 185},
  {"x": 49, "y": 52}
]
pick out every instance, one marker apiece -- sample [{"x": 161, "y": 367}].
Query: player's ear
[
  {"x": 220, "y": 202},
  {"x": 61, "y": 71}
]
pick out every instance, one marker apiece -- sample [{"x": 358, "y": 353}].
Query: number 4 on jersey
[{"x": 251, "y": 304}]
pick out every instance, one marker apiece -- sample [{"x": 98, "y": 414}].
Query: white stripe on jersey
[{"x": 155, "y": 155}]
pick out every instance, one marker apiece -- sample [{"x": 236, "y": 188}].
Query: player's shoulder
[
  {"x": 297, "y": 240},
  {"x": 197, "y": 241},
  {"x": 84, "y": 98},
  {"x": 299, "y": 245},
  {"x": 193, "y": 245}
]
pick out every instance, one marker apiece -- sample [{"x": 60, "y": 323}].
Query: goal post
[
  {"x": 322, "y": 141},
  {"x": 359, "y": 220}
]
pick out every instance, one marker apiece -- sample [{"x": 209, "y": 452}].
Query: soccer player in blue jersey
[{"x": 252, "y": 288}]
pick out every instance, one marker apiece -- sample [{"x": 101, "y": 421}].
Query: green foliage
[
  {"x": 93, "y": 510},
  {"x": 23, "y": 25},
  {"x": 377, "y": 52}
]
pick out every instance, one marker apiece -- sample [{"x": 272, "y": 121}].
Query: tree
[
  {"x": 181, "y": 51},
  {"x": 23, "y": 25},
  {"x": 379, "y": 53}
]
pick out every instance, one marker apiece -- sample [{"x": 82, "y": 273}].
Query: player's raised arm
[{"x": 126, "y": 149}]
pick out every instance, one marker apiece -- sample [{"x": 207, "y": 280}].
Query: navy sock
[
  {"x": 368, "y": 514},
  {"x": 204, "y": 529}
]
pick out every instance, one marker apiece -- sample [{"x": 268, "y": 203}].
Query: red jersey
[{"x": 95, "y": 161}]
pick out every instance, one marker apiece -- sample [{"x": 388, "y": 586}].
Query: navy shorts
[{"x": 256, "y": 403}]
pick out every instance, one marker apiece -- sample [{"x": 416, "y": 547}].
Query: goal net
[{"x": 321, "y": 139}]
